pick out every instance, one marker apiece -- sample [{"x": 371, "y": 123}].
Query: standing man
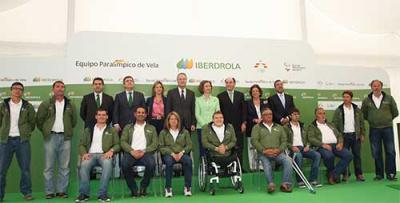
[
  {"x": 281, "y": 103},
  {"x": 93, "y": 101},
  {"x": 125, "y": 103},
  {"x": 348, "y": 119},
  {"x": 233, "y": 107},
  {"x": 97, "y": 147},
  {"x": 17, "y": 121},
  {"x": 139, "y": 141},
  {"x": 182, "y": 101},
  {"x": 379, "y": 109},
  {"x": 56, "y": 119}
]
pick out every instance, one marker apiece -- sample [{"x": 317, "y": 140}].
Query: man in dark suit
[
  {"x": 125, "y": 103},
  {"x": 182, "y": 100},
  {"x": 91, "y": 102},
  {"x": 233, "y": 108},
  {"x": 280, "y": 104}
]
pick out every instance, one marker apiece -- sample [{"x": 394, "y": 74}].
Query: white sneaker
[
  {"x": 187, "y": 191},
  {"x": 168, "y": 192}
]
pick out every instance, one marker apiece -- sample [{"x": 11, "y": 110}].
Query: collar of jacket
[
  {"x": 383, "y": 96},
  {"x": 300, "y": 123},
  {"x": 66, "y": 102},
  {"x": 7, "y": 100}
]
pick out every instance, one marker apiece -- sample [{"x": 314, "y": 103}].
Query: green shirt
[{"x": 205, "y": 108}]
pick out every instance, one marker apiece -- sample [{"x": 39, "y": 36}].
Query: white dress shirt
[
  {"x": 180, "y": 92},
  {"x": 348, "y": 119},
  {"x": 377, "y": 100},
  {"x": 328, "y": 136},
  {"x": 258, "y": 111},
  {"x": 297, "y": 141},
  {"x": 59, "y": 121},
  {"x": 97, "y": 140},
  {"x": 220, "y": 131},
  {"x": 139, "y": 138},
  {"x": 15, "y": 109}
]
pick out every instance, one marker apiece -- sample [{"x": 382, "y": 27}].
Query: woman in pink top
[{"x": 156, "y": 106}]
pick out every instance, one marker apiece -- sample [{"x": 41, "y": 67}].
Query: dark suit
[
  {"x": 89, "y": 108},
  {"x": 235, "y": 114},
  {"x": 123, "y": 114},
  {"x": 184, "y": 107},
  {"x": 159, "y": 124},
  {"x": 278, "y": 109},
  {"x": 252, "y": 114}
]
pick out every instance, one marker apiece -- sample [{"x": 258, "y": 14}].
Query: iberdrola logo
[{"x": 185, "y": 63}]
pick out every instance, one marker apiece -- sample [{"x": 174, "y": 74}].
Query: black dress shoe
[
  {"x": 143, "y": 192},
  {"x": 134, "y": 193},
  {"x": 391, "y": 177},
  {"x": 378, "y": 178}
]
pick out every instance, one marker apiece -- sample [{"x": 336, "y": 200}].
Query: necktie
[
  {"x": 183, "y": 95},
  {"x": 231, "y": 96},
  {"x": 130, "y": 99},
  {"x": 282, "y": 97},
  {"x": 98, "y": 100}
]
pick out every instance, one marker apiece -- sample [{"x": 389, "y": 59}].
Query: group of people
[{"x": 136, "y": 128}]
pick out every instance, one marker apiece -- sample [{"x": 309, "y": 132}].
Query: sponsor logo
[
  {"x": 117, "y": 63},
  {"x": 189, "y": 63},
  {"x": 41, "y": 79},
  {"x": 293, "y": 67}
]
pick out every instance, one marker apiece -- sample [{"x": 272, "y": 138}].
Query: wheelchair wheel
[
  {"x": 239, "y": 187},
  {"x": 212, "y": 191},
  {"x": 202, "y": 175},
  {"x": 239, "y": 168}
]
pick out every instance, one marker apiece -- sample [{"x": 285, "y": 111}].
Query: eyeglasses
[{"x": 18, "y": 88}]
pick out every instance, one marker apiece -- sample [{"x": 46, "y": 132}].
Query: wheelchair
[{"x": 207, "y": 167}]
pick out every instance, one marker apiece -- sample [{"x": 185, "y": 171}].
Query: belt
[{"x": 57, "y": 133}]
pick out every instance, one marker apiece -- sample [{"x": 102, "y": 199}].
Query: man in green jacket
[
  {"x": 270, "y": 140},
  {"x": 328, "y": 141},
  {"x": 379, "y": 110},
  {"x": 56, "y": 118},
  {"x": 348, "y": 119},
  {"x": 97, "y": 147},
  {"x": 139, "y": 141},
  {"x": 17, "y": 121}
]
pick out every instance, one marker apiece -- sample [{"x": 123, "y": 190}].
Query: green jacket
[
  {"x": 314, "y": 135},
  {"x": 168, "y": 145},
  {"x": 46, "y": 117},
  {"x": 382, "y": 117},
  {"x": 262, "y": 138},
  {"x": 338, "y": 120},
  {"x": 210, "y": 140},
  {"x": 26, "y": 122},
  {"x": 110, "y": 140},
  {"x": 289, "y": 133},
  {"x": 151, "y": 138}
]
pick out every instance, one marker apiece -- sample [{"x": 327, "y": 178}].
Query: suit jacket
[
  {"x": 185, "y": 108},
  {"x": 89, "y": 108},
  {"x": 234, "y": 113},
  {"x": 252, "y": 114},
  {"x": 278, "y": 109},
  {"x": 123, "y": 114},
  {"x": 149, "y": 104}
]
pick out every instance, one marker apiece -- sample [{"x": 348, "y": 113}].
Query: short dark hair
[
  {"x": 276, "y": 81},
  {"x": 98, "y": 78},
  {"x": 201, "y": 85},
  {"x": 217, "y": 112},
  {"x": 294, "y": 110},
  {"x": 255, "y": 86},
  {"x": 373, "y": 81},
  {"x": 17, "y": 84},
  {"x": 317, "y": 109},
  {"x": 58, "y": 82},
  {"x": 101, "y": 109},
  {"x": 184, "y": 74},
  {"x": 348, "y": 92},
  {"x": 141, "y": 107},
  {"x": 126, "y": 77}
]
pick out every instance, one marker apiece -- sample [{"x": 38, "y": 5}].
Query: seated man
[
  {"x": 139, "y": 141},
  {"x": 299, "y": 146},
  {"x": 219, "y": 139},
  {"x": 329, "y": 143},
  {"x": 269, "y": 139},
  {"x": 97, "y": 146}
]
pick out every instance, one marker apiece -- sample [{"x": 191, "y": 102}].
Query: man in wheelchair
[
  {"x": 219, "y": 141},
  {"x": 269, "y": 139}
]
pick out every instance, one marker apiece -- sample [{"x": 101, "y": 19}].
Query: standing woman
[
  {"x": 254, "y": 107},
  {"x": 175, "y": 146},
  {"x": 156, "y": 106},
  {"x": 206, "y": 105}
]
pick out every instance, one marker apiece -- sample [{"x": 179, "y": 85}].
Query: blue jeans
[
  {"x": 85, "y": 169},
  {"x": 56, "y": 149},
  {"x": 316, "y": 159},
  {"x": 280, "y": 159},
  {"x": 128, "y": 161},
  {"x": 329, "y": 159},
  {"x": 201, "y": 148},
  {"x": 385, "y": 135},
  {"x": 353, "y": 142},
  {"x": 23, "y": 153},
  {"x": 186, "y": 165}
]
